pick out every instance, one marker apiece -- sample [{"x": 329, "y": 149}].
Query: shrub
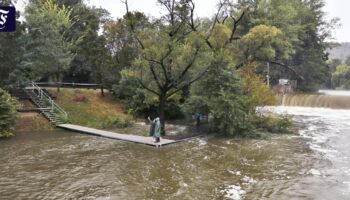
[
  {"x": 123, "y": 122},
  {"x": 273, "y": 124},
  {"x": 80, "y": 98},
  {"x": 126, "y": 88},
  {"x": 8, "y": 113},
  {"x": 142, "y": 103},
  {"x": 118, "y": 121},
  {"x": 196, "y": 104}
]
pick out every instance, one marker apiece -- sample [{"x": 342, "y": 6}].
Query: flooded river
[{"x": 311, "y": 164}]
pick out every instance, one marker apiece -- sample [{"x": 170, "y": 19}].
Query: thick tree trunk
[{"x": 161, "y": 111}]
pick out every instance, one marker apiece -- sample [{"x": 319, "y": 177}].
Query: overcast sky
[
  {"x": 205, "y": 8},
  {"x": 334, "y": 8}
]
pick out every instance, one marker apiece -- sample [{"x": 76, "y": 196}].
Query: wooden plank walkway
[{"x": 118, "y": 136}]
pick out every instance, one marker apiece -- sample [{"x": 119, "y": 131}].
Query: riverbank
[
  {"x": 88, "y": 107},
  {"x": 84, "y": 107},
  {"x": 32, "y": 122}
]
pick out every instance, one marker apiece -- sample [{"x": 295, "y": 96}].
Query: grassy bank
[
  {"x": 89, "y": 108},
  {"x": 29, "y": 122}
]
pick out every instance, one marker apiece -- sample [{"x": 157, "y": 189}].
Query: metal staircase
[{"x": 53, "y": 112}]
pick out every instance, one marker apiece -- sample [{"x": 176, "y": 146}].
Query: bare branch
[
  {"x": 192, "y": 6},
  {"x": 170, "y": 50},
  {"x": 235, "y": 24},
  {"x": 224, "y": 20},
  {"x": 162, "y": 64},
  {"x": 130, "y": 22},
  {"x": 126, "y": 5},
  {"x": 156, "y": 78},
  {"x": 200, "y": 75},
  {"x": 190, "y": 64},
  {"x": 216, "y": 20},
  {"x": 221, "y": 5},
  {"x": 287, "y": 67}
]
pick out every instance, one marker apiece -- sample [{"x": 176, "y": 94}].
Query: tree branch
[
  {"x": 170, "y": 50},
  {"x": 188, "y": 84},
  {"x": 235, "y": 24},
  {"x": 156, "y": 78},
  {"x": 287, "y": 67},
  {"x": 147, "y": 88},
  {"x": 128, "y": 14},
  {"x": 192, "y": 7},
  {"x": 221, "y": 5},
  {"x": 190, "y": 64}
]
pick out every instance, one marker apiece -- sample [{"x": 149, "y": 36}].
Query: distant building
[
  {"x": 286, "y": 86},
  {"x": 283, "y": 81}
]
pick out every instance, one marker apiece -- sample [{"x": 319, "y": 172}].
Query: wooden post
[{"x": 102, "y": 92}]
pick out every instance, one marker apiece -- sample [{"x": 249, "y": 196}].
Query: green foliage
[
  {"x": 8, "y": 113},
  {"x": 126, "y": 88},
  {"x": 142, "y": 103},
  {"x": 120, "y": 41},
  {"x": 264, "y": 42},
  {"x": 122, "y": 122},
  {"x": 136, "y": 99},
  {"x": 92, "y": 61},
  {"x": 10, "y": 52},
  {"x": 196, "y": 104},
  {"x": 46, "y": 50},
  {"x": 341, "y": 77},
  {"x": 118, "y": 122},
  {"x": 220, "y": 36},
  {"x": 259, "y": 94},
  {"x": 221, "y": 93},
  {"x": 273, "y": 124},
  {"x": 333, "y": 64},
  {"x": 153, "y": 63},
  {"x": 300, "y": 51}
]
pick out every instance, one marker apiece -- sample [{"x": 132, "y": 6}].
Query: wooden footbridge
[{"x": 117, "y": 136}]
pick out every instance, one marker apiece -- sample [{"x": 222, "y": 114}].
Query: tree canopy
[{"x": 47, "y": 52}]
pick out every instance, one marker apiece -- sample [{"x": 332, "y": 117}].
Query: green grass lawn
[{"x": 88, "y": 108}]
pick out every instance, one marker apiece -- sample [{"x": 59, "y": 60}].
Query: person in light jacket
[
  {"x": 152, "y": 126},
  {"x": 157, "y": 130}
]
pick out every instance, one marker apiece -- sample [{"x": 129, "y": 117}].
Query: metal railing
[
  {"x": 42, "y": 95},
  {"x": 69, "y": 85}
]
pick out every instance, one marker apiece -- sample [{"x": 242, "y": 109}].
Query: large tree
[
  {"x": 176, "y": 50},
  {"x": 301, "y": 53},
  {"x": 170, "y": 52},
  {"x": 47, "y": 52},
  {"x": 10, "y": 48},
  {"x": 92, "y": 59}
]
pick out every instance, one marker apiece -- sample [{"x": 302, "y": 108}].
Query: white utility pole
[{"x": 268, "y": 74}]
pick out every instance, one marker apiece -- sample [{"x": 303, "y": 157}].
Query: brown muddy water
[{"x": 311, "y": 164}]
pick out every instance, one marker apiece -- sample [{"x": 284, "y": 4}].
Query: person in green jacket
[
  {"x": 157, "y": 130},
  {"x": 152, "y": 127}
]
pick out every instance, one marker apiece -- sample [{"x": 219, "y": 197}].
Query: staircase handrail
[{"x": 53, "y": 104}]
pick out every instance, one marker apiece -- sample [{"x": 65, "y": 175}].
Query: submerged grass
[{"x": 29, "y": 122}]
